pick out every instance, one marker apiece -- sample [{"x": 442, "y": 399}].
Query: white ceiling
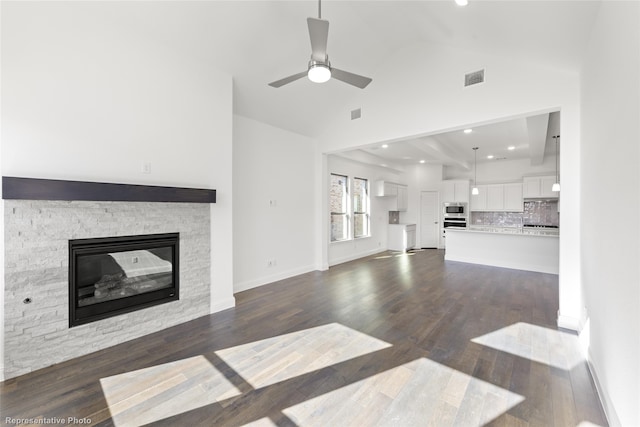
[
  {"x": 261, "y": 41},
  {"x": 257, "y": 42},
  {"x": 530, "y": 137}
]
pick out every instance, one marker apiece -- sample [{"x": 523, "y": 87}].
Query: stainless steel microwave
[{"x": 457, "y": 209}]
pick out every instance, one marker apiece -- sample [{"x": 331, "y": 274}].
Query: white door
[{"x": 429, "y": 219}]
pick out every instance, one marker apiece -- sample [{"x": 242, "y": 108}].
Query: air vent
[
  {"x": 474, "y": 78},
  {"x": 356, "y": 114}
]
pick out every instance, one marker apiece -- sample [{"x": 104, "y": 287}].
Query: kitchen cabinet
[
  {"x": 398, "y": 191},
  {"x": 498, "y": 198},
  {"x": 479, "y": 201},
  {"x": 539, "y": 187},
  {"x": 495, "y": 197},
  {"x": 401, "y": 237},
  {"x": 455, "y": 190},
  {"x": 386, "y": 188},
  {"x": 546, "y": 183},
  {"x": 513, "y": 201}
]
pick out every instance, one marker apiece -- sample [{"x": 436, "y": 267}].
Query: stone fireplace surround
[{"x": 37, "y": 232}]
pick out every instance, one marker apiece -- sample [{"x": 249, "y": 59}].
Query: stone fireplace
[{"x": 37, "y": 273}]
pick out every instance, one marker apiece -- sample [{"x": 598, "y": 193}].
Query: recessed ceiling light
[
  {"x": 490, "y": 156},
  {"x": 385, "y": 145},
  {"x": 421, "y": 161},
  {"x": 468, "y": 130},
  {"x": 462, "y": 2},
  {"x": 511, "y": 148}
]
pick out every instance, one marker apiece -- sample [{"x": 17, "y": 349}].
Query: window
[
  {"x": 338, "y": 205},
  {"x": 360, "y": 207},
  {"x": 349, "y": 212}
]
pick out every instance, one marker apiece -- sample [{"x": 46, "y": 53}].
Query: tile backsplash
[
  {"x": 541, "y": 212},
  {"x": 536, "y": 212},
  {"x": 394, "y": 217},
  {"x": 497, "y": 219}
]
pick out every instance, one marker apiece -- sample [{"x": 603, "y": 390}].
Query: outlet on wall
[
  {"x": 146, "y": 167},
  {"x": 271, "y": 263}
]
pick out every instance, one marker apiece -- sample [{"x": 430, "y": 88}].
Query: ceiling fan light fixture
[{"x": 319, "y": 73}]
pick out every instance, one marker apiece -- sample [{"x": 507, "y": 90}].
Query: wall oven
[
  {"x": 454, "y": 215},
  {"x": 455, "y": 222}
]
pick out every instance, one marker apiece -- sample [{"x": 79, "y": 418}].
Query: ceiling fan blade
[
  {"x": 287, "y": 80},
  {"x": 350, "y": 78},
  {"x": 318, "y": 33}
]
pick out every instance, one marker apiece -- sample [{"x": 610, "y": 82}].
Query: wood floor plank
[{"x": 385, "y": 340}]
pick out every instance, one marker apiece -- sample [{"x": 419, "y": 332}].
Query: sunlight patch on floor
[
  {"x": 421, "y": 392},
  {"x": 283, "y": 357},
  {"x": 543, "y": 345},
  {"x": 152, "y": 394},
  {"x": 262, "y": 422}
]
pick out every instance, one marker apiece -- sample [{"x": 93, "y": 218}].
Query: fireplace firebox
[{"x": 115, "y": 275}]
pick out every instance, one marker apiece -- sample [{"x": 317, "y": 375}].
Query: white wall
[
  {"x": 271, "y": 165},
  {"x": 419, "y": 92},
  {"x": 610, "y": 157},
  {"x": 1, "y": 230},
  {"x": 339, "y": 252},
  {"x": 84, "y": 100}
]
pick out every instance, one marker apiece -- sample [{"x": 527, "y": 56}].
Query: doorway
[{"x": 429, "y": 219}]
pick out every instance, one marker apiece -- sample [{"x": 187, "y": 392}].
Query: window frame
[
  {"x": 346, "y": 206},
  {"x": 366, "y": 203}
]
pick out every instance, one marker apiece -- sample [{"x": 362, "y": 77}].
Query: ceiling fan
[{"x": 319, "y": 69}]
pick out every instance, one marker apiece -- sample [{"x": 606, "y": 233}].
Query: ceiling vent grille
[
  {"x": 356, "y": 114},
  {"x": 474, "y": 78}
]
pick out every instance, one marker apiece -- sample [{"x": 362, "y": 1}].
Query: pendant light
[
  {"x": 474, "y": 190},
  {"x": 556, "y": 185}
]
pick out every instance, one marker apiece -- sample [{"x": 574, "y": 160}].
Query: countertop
[{"x": 508, "y": 230}]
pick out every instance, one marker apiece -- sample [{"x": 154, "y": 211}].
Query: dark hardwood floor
[{"x": 392, "y": 339}]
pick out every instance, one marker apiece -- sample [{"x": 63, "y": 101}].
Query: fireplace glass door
[{"x": 110, "y": 276}]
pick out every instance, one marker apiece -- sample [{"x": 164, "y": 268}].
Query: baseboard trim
[
  {"x": 354, "y": 257},
  {"x": 609, "y": 411},
  {"x": 254, "y": 283},
  {"x": 223, "y": 305}
]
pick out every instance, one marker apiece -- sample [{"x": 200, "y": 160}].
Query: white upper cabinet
[
  {"x": 455, "y": 190},
  {"x": 479, "y": 201},
  {"x": 498, "y": 198},
  {"x": 386, "y": 188},
  {"x": 536, "y": 187},
  {"x": 546, "y": 183},
  {"x": 513, "y": 201},
  {"x": 398, "y": 191},
  {"x": 495, "y": 197}
]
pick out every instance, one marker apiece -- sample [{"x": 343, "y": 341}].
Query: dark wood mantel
[{"x": 52, "y": 189}]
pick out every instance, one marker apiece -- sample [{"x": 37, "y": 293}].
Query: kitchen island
[{"x": 532, "y": 250}]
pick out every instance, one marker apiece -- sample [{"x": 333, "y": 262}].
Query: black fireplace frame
[{"x": 90, "y": 313}]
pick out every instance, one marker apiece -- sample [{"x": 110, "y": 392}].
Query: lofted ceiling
[{"x": 257, "y": 42}]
